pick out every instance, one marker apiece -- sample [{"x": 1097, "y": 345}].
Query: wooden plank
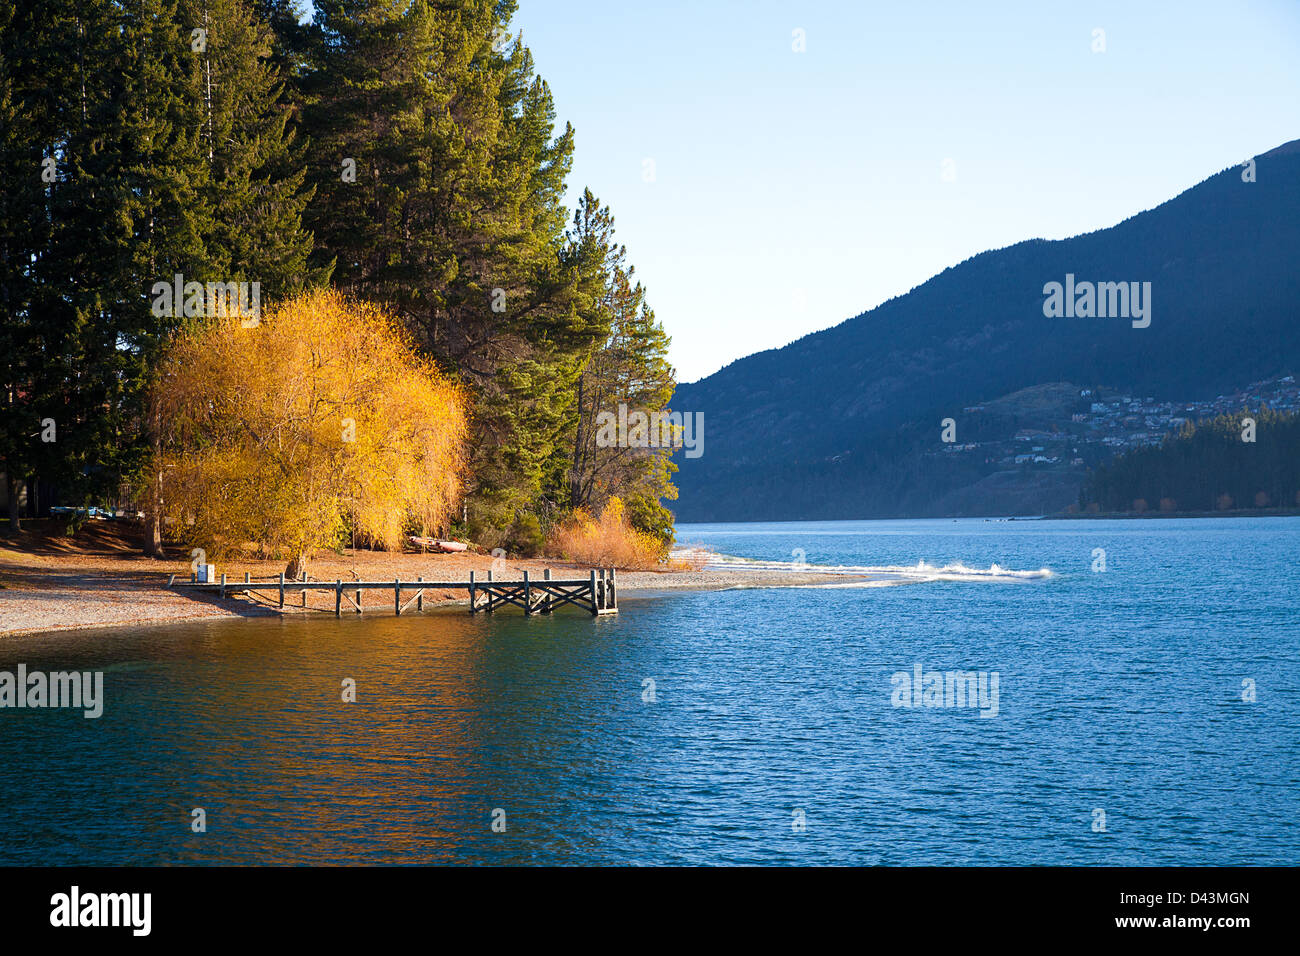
[
  {"x": 505, "y": 595},
  {"x": 419, "y": 597},
  {"x": 578, "y": 597}
]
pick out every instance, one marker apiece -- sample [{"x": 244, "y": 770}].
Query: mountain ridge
[{"x": 1220, "y": 256}]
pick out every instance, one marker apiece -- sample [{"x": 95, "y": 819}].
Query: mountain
[{"x": 845, "y": 423}]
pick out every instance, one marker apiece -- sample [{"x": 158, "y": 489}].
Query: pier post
[
  {"x": 338, "y": 597},
  {"x": 546, "y": 601},
  {"x": 281, "y": 589},
  {"x": 223, "y": 584},
  {"x": 595, "y": 606},
  {"x": 613, "y": 589},
  {"x": 358, "y": 600},
  {"x": 397, "y": 596},
  {"x": 472, "y": 608},
  {"x": 246, "y": 581},
  {"x": 419, "y": 595},
  {"x": 528, "y": 596}
]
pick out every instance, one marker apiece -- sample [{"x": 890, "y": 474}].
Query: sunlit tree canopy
[{"x": 317, "y": 422}]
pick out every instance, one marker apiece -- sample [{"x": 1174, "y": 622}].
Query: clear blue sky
[{"x": 794, "y": 190}]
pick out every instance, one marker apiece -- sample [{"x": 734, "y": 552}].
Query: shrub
[
  {"x": 610, "y": 541},
  {"x": 525, "y": 536}
]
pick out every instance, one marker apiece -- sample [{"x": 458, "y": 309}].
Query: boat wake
[{"x": 879, "y": 575}]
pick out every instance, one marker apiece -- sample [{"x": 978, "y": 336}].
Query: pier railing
[{"x": 597, "y": 593}]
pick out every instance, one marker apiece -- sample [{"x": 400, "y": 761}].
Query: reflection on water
[
  {"x": 1118, "y": 690},
  {"x": 246, "y": 720}
]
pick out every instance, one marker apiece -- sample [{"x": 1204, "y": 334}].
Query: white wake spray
[{"x": 879, "y": 575}]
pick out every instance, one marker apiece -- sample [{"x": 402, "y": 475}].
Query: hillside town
[{"x": 1101, "y": 423}]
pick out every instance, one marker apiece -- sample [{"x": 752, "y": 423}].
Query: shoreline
[
  {"x": 36, "y": 604},
  {"x": 1120, "y": 515},
  {"x": 1062, "y": 516},
  {"x": 52, "y": 585}
]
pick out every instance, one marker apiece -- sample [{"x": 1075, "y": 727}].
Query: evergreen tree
[
  {"x": 24, "y": 233},
  {"x": 256, "y": 168},
  {"x": 628, "y": 367},
  {"x": 440, "y": 184}
]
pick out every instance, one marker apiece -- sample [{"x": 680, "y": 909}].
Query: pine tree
[
  {"x": 23, "y": 235},
  {"x": 630, "y": 368},
  {"x": 440, "y": 183},
  {"x": 63, "y": 335},
  {"x": 256, "y": 170}
]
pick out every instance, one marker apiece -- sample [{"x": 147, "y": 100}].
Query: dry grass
[{"x": 610, "y": 542}]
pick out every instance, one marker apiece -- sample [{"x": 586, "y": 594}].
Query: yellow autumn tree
[{"x": 318, "y": 420}]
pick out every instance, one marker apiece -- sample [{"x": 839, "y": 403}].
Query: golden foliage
[
  {"x": 608, "y": 542},
  {"x": 319, "y": 418}
]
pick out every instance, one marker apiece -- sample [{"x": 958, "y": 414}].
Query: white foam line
[{"x": 921, "y": 571}]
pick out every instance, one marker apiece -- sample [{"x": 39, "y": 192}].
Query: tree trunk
[
  {"x": 153, "y": 539},
  {"x": 297, "y": 568},
  {"x": 12, "y": 484},
  {"x": 575, "y": 479}
]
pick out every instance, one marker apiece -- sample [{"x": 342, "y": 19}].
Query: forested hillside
[{"x": 1233, "y": 461}]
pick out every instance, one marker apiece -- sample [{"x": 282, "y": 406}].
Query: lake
[{"x": 752, "y": 726}]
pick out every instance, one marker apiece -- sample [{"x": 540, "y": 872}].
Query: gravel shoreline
[{"x": 41, "y": 603}]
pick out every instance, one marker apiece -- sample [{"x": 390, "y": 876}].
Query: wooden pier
[{"x": 597, "y": 593}]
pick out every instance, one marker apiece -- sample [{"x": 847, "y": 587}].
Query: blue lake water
[{"x": 1119, "y": 691}]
